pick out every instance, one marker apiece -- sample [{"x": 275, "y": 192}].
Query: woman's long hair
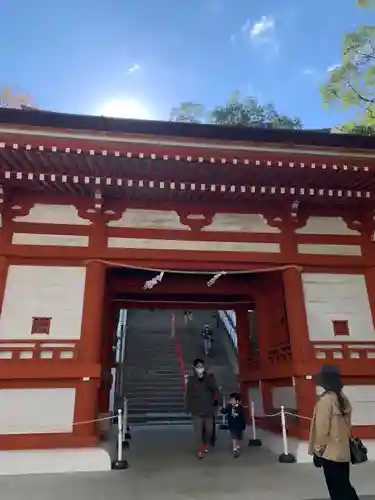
[{"x": 330, "y": 380}]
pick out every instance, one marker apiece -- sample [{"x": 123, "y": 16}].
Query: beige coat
[{"x": 330, "y": 430}]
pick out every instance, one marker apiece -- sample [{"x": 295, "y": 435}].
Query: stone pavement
[{"x": 162, "y": 467}]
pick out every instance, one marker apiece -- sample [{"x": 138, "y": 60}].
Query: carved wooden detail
[
  {"x": 194, "y": 220},
  {"x": 18, "y": 209},
  {"x": 362, "y": 222},
  {"x": 96, "y": 209},
  {"x": 290, "y": 215}
]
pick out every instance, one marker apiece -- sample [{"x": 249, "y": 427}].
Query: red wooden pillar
[
  {"x": 86, "y": 402},
  {"x": 262, "y": 311},
  {"x": 3, "y": 278},
  {"x": 93, "y": 311},
  {"x": 300, "y": 343},
  {"x": 262, "y": 308},
  {"x": 108, "y": 355},
  {"x": 296, "y": 314},
  {"x": 243, "y": 349},
  {"x": 243, "y": 338},
  {"x": 370, "y": 284}
]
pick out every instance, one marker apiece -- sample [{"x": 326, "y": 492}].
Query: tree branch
[{"x": 360, "y": 96}]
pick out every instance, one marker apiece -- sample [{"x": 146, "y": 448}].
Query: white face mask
[{"x": 200, "y": 371}]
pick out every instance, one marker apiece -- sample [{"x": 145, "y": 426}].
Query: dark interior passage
[{"x": 160, "y": 346}]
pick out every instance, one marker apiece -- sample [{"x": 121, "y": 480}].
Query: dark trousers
[
  {"x": 337, "y": 475},
  {"x": 211, "y": 440},
  {"x": 202, "y": 430}
]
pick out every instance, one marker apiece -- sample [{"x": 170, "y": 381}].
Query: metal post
[
  {"x": 254, "y": 441},
  {"x": 286, "y": 457},
  {"x": 126, "y": 428},
  {"x": 119, "y": 463},
  {"x": 223, "y": 419}
]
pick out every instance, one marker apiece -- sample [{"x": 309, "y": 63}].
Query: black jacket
[
  {"x": 202, "y": 395},
  {"x": 236, "y": 417}
]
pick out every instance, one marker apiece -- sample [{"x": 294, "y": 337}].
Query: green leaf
[{"x": 238, "y": 111}]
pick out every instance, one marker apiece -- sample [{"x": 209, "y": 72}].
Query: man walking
[{"x": 202, "y": 399}]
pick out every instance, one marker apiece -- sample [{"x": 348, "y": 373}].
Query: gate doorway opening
[
  {"x": 160, "y": 332},
  {"x": 160, "y": 348},
  {"x": 265, "y": 317}
]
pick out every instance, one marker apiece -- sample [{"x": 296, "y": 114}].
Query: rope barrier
[
  {"x": 286, "y": 456},
  {"x": 84, "y": 422},
  {"x": 297, "y": 415}
]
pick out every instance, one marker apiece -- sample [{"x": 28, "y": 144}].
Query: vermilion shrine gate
[{"x": 82, "y": 195}]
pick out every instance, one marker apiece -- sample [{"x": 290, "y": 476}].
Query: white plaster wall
[
  {"x": 210, "y": 246},
  {"x": 34, "y": 411},
  {"x": 284, "y": 396},
  {"x": 149, "y": 219},
  {"x": 64, "y": 240},
  {"x": 255, "y": 395},
  {"x": 318, "y": 249},
  {"x": 362, "y": 399},
  {"x": 331, "y": 297},
  {"x": 240, "y": 223},
  {"x": 43, "y": 291},
  {"x": 326, "y": 225},
  {"x": 53, "y": 214}
]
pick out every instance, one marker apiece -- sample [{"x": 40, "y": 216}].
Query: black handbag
[{"x": 358, "y": 451}]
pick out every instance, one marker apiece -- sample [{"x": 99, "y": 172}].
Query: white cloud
[
  {"x": 333, "y": 67},
  {"x": 133, "y": 69},
  {"x": 262, "y": 27},
  {"x": 260, "y": 34},
  {"x": 309, "y": 72}
]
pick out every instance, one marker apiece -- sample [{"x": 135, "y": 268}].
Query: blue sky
[{"x": 84, "y": 56}]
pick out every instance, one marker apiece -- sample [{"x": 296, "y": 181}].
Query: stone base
[
  {"x": 298, "y": 448},
  {"x": 54, "y": 461}
]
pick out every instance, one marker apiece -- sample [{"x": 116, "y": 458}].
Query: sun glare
[{"x": 127, "y": 108}]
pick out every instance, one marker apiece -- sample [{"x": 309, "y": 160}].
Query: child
[{"x": 236, "y": 421}]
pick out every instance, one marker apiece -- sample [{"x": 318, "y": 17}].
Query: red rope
[{"x": 178, "y": 347}]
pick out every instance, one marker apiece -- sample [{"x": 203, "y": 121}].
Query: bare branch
[{"x": 360, "y": 97}]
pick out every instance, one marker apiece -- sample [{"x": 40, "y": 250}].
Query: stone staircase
[
  {"x": 218, "y": 362},
  {"x": 153, "y": 379}
]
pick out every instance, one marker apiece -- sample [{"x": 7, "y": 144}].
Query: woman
[{"x": 330, "y": 433}]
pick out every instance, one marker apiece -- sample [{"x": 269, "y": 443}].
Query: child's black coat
[{"x": 235, "y": 416}]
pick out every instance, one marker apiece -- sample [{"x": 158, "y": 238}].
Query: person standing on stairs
[
  {"x": 202, "y": 399},
  {"x": 207, "y": 335},
  {"x": 188, "y": 316}
]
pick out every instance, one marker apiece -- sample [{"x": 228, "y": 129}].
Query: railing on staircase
[
  {"x": 178, "y": 349},
  {"x": 117, "y": 390},
  {"x": 229, "y": 321}
]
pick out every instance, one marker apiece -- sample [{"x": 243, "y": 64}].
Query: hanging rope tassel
[
  {"x": 154, "y": 281},
  {"x": 214, "y": 279}
]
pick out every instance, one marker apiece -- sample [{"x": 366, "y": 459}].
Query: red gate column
[
  {"x": 86, "y": 407},
  {"x": 243, "y": 348},
  {"x": 243, "y": 338},
  {"x": 370, "y": 284},
  {"x": 3, "y": 278},
  {"x": 108, "y": 355},
  {"x": 93, "y": 313},
  {"x": 264, "y": 332},
  {"x": 300, "y": 344}
]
